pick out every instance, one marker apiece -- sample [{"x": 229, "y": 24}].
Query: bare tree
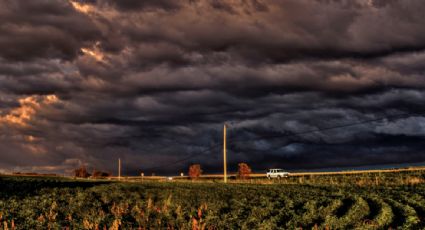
[{"x": 81, "y": 172}]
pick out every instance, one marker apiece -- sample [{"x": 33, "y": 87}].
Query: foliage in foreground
[{"x": 35, "y": 203}]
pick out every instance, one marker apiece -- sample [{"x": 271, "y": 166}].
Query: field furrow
[
  {"x": 405, "y": 216},
  {"x": 42, "y": 203},
  {"x": 380, "y": 216},
  {"x": 417, "y": 202},
  {"x": 357, "y": 210}
]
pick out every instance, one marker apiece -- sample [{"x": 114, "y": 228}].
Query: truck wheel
[
  {"x": 278, "y": 177},
  {"x": 268, "y": 177}
]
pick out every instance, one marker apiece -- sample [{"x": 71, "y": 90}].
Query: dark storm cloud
[
  {"x": 134, "y": 5},
  {"x": 152, "y": 82},
  {"x": 288, "y": 30},
  {"x": 43, "y": 29}
]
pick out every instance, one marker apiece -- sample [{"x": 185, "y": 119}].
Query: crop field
[{"x": 366, "y": 201}]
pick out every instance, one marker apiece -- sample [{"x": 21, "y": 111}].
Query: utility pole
[
  {"x": 119, "y": 168},
  {"x": 224, "y": 154}
]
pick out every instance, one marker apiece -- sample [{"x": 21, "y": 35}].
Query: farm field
[{"x": 362, "y": 201}]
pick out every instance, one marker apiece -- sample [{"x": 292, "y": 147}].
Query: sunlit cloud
[
  {"x": 34, "y": 149},
  {"x": 94, "y": 52},
  {"x": 30, "y": 138},
  {"x": 29, "y": 106},
  {"x": 83, "y": 8}
]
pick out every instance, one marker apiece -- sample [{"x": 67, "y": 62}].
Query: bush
[
  {"x": 244, "y": 171},
  {"x": 100, "y": 174},
  {"x": 195, "y": 171}
]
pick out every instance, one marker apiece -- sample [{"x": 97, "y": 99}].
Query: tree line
[
  {"x": 244, "y": 171},
  {"x": 195, "y": 171}
]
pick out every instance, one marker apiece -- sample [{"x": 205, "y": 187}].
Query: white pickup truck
[{"x": 277, "y": 173}]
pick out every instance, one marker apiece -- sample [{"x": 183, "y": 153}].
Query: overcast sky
[{"x": 153, "y": 81}]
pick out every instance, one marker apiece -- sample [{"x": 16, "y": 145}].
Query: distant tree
[
  {"x": 100, "y": 174},
  {"x": 195, "y": 171},
  {"x": 244, "y": 171},
  {"x": 81, "y": 172}
]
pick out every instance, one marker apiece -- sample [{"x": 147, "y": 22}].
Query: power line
[
  {"x": 193, "y": 155},
  {"x": 197, "y": 154},
  {"x": 397, "y": 116}
]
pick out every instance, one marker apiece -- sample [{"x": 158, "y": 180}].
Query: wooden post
[
  {"x": 119, "y": 168},
  {"x": 224, "y": 154}
]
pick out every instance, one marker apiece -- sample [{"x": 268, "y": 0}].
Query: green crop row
[{"x": 52, "y": 203}]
